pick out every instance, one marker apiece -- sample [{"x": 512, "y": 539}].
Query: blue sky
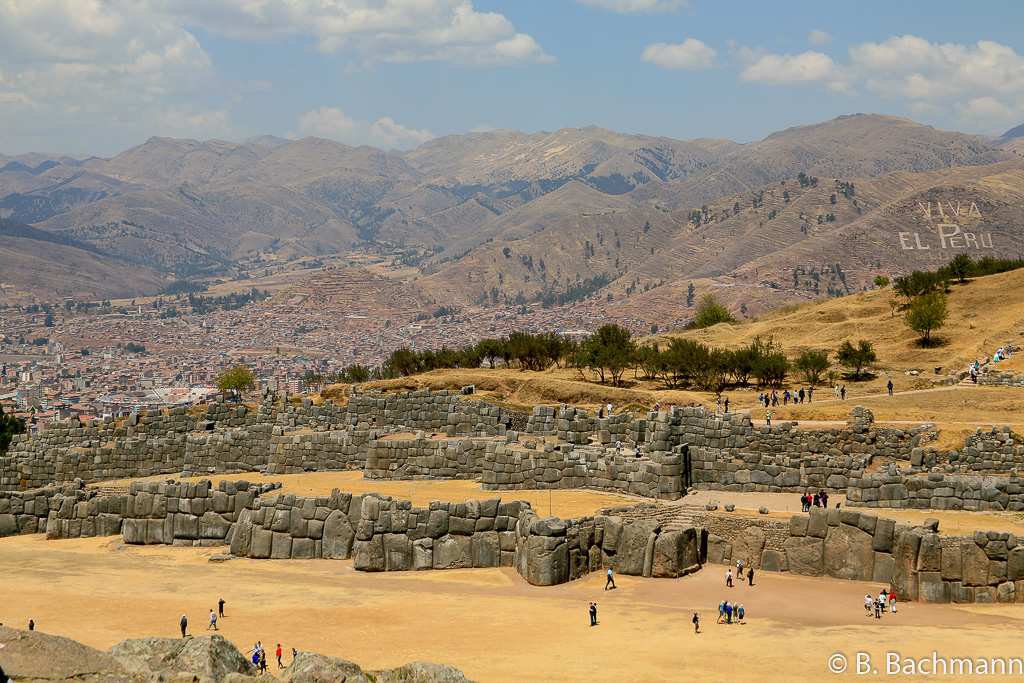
[{"x": 99, "y": 76}]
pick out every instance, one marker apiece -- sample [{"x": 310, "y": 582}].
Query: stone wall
[
  {"x": 392, "y": 535},
  {"x": 186, "y": 513},
  {"x": 78, "y": 512},
  {"x": 25, "y": 512},
  {"x": 937, "y": 491},
  {"x": 985, "y": 567},
  {"x": 532, "y": 465},
  {"x": 319, "y": 451},
  {"x": 420, "y": 457}
]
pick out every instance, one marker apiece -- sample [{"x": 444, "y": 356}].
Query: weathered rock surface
[
  {"x": 32, "y": 655},
  {"x": 210, "y": 657}
]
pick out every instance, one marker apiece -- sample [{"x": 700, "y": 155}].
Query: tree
[
  {"x": 689, "y": 295},
  {"x": 609, "y": 352},
  {"x": 404, "y": 361},
  {"x": 856, "y": 357},
  {"x": 881, "y": 281},
  {"x": 812, "y": 365},
  {"x": 960, "y": 267},
  {"x": 9, "y": 426},
  {"x": 710, "y": 312},
  {"x": 236, "y": 380},
  {"x": 925, "y": 314}
]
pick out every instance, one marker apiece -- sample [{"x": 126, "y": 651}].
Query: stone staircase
[{"x": 675, "y": 516}]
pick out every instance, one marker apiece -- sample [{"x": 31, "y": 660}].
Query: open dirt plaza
[{"x": 491, "y": 623}]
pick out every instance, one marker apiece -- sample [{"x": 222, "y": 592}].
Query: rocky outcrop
[
  {"x": 210, "y": 657},
  {"x": 37, "y": 656},
  {"x": 315, "y": 668}
]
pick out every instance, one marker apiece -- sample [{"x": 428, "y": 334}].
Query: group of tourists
[
  {"x": 739, "y": 573},
  {"x": 886, "y": 597},
  {"x": 818, "y": 500},
  {"x": 730, "y": 614},
  {"x": 771, "y": 400}
]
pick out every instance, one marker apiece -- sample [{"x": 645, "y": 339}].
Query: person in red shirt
[{"x": 279, "y": 664}]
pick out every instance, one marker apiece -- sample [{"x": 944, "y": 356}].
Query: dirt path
[{"x": 488, "y": 622}]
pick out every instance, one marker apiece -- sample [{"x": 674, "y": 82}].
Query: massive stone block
[
  {"x": 281, "y": 547},
  {"x": 848, "y": 553},
  {"x": 904, "y": 571},
  {"x": 719, "y": 550},
  {"x": 452, "y": 552},
  {"x": 338, "y": 536},
  {"x": 748, "y": 547},
  {"x": 975, "y": 564},
  {"x": 423, "y": 554},
  {"x": 668, "y": 552},
  {"x": 262, "y": 542},
  {"x": 632, "y": 548},
  {"x": 368, "y": 556},
  {"x": 485, "y": 549},
  {"x": 397, "y": 552},
  {"x": 805, "y": 555},
  {"x": 929, "y": 558},
  {"x": 547, "y": 560},
  {"x": 951, "y": 564}
]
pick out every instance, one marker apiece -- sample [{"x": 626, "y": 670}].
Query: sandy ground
[{"x": 488, "y": 622}]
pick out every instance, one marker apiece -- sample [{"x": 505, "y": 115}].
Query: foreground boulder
[
  {"x": 209, "y": 657},
  {"x": 313, "y": 668},
  {"x": 35, "y": 656}
]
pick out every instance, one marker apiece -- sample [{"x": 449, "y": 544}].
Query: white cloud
[
  {"x": 981, "y": 84},
  {"x": 787, "y": 69},
  {"x": 377, "y": 30},
  {"x": 819, "y": 37},
  {"x": 331, "y": 122},
  {"x": 690, "y": 55},
  {"x": 628, "y": 6},
  {"x": 123, "y": 68}
]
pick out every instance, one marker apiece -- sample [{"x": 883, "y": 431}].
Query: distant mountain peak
[{"x": 1017, "y": 132}]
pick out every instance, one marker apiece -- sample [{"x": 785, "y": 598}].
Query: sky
[{"x": 100, "y": 76}]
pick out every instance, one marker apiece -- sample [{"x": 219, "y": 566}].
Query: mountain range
[{"x": 504, "y": 216}]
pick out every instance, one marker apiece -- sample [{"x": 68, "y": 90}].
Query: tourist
[
  {"x": 727, "y": 404},
  {"x": 824, "y": 499},
  {"x": 868, "y": 601},
  {"x": 837, "y": 390},
  {"x": 609, "y": 413},
  {"x": 279, "y": 664},
  {"x": 890, "y": 387},
  {"x": 593, "y": 614},
  {"x": 220, "y": 607},
  {"x": 657, "y": 406},
  {"x": 768, "y": 417},
  {"x": 739, "y": 569},
  {"x": 721, "y": 612},
  {"x": 760, "y": 400},
  {"x": 736, "y": 612},
  {"x": 719, "y": 403},
  {"x": 213, "y": 621},
  {"x": 817, "y": 500},
  {"x": 295, "y": 653},
  {"x": 184, "y": 625},
  {"x": 31, "y": 625},
  {"x": 618, "y": 447},
  {"x": 741, "y": 613},
  {"x": 263, "y": 661},
  {"x": 728, "y": 613},
  {"x": 842, "y": 392},
  {"x": 810, "y": 394},
  {"x": 801, "y": 395},
  {"x": 803, "y": 503},
  {"x": 696, "y": 623},
  {"x": 750, "y": 576},
  {"x": 728, "y": 578},
  {"x": 892, "y": 602},
  {"x": 610, "y": 581},
  {"x": 878, "y": 605}
]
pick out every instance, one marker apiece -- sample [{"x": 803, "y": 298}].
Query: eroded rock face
[
  {"x": 421, "y": 672},
  {"x": 338, "y": 536},
  {"x": 309, "y": 667},
  {"x": 210, "y": 657},
  {"x": 632, "y": 550}
]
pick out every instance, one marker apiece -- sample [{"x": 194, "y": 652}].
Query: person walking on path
[
  {"x": 892, "y": 603},
  {"x": 184, "y": 625},
  {"x": 890, "y": 387},
  {"x": 220, "y": 607},
  {"x": 768, "y": 417},
  {"x": 727, "y": 404},
  {"x": 279, "y": 664},
  {"x": 739, "y": 570},
  {"x": 842, "y": 392},
  {"x": 213, "y": 621},
  {"x": 867, "y": 605},
  {"x": 696, "y": 623},
  {"x": 750, "y": 576},
  {"x": 824, "y": 499},
  {"x": 593, "y": 614},
  {"x": 728, "y": 578},
  {"x": 610, "y": 581}
]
